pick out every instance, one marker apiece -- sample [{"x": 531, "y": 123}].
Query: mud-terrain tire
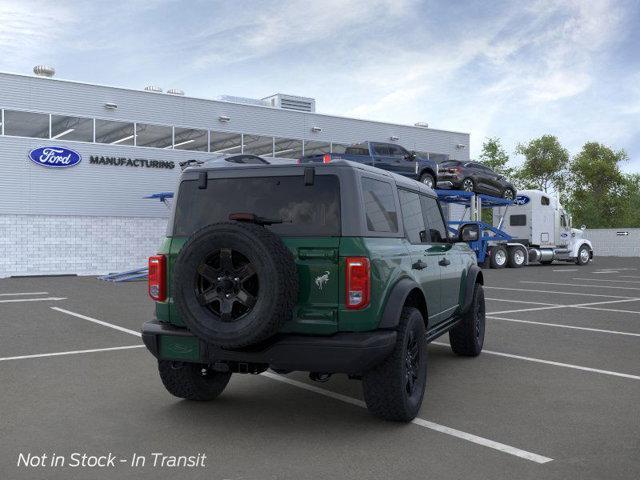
[
  {"x": 234, "y": 284},
  {"x": 467, "y": 337},
  {"x": 386, "y": 387},
  {"x": 192, "y": 381}
]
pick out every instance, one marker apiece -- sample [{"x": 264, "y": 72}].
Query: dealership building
[{"x": 77, "y": 160}]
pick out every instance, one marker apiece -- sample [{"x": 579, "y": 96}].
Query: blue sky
[{"x": 515, "y": 70}]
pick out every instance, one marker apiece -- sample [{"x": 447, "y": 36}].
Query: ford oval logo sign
[
  {"x": 521, "y": 200},
  {"x": 56, "y": 157}
]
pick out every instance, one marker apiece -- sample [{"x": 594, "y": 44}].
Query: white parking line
[
  {"x": 559, "y": 325},
  {"x": 628, "y": 276},
  {"x": 45, "y": 299},
  {"x": 578, "y": 285},
  {"x": 577, "y": 305},
  {"x": 99, "y": 322},
  {"x": 519, "y": 301},
  {"x": 555, "y": 364},
  {"x": 566, "y": 269},
  {"x": 556, "y": 292},
  {"x": 607, "y": 309},
  {"x": 23, "y": 293},
  {"x": 485, "y": 442},
  {"x": 603, "y": 280},
  {"x": 527, "y": 309},
  {"x": 72, "y": 352}
]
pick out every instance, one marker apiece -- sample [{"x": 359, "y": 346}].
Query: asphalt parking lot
[{"x": 555, "y": 394}]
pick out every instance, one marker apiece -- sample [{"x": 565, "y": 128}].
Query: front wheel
[
  {"x": 467, "y": 337},
  {"x": 583, "y": 255},
  {"x": 468, "y": 185},
  {"x": 428, "y": 180},
  {"x": 394, "y": 389},
  {"x": 192, "y": 381}
]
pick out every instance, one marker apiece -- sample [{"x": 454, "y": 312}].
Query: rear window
[
  {"x": 450, "y": 163},
  {"x": 357, "y": 150},
  {"x": 310, "y": 210}
]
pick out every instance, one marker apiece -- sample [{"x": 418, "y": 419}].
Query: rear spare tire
[{"x": 234, "y": 284}]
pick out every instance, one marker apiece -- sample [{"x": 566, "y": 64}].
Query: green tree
[
  {"x": 545, "y": 164},
  {"x": 631, "y": 197},
  {"x": 599, "y": 192},
  {"x": 495, "y": 157}
]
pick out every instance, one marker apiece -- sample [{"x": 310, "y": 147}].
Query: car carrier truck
[{"x": 538, "y": 221}]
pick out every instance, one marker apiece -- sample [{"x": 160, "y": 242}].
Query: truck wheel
[
  {"x": 468, "y": 185},
  {"x": 394, "y": 389},
  {"x": 428, "y": 180},
  {"x": 517, "y": 257},
  {"x": 583, "y": 255},
  {"x": 498, "y": 257},
  {"x": 192, "y": 381},
  {"x": 234, "y": 284},
  {"x": 467, "y": 337}
]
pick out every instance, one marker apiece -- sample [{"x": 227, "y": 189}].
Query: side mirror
[
  {"x": 583, "y": 227},
  {"x": 469, "y": 232},
  {"x": 410, "y": 156}
]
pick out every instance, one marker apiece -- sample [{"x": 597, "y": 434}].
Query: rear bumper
[{"x": 348, "y": 352}]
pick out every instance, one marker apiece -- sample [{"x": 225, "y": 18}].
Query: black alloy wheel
[{"x": 227, "y": 284}]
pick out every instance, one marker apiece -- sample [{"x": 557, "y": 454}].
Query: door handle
[
  {"x": 444, "y": 262},
  {"x": 419, "y": 265}
]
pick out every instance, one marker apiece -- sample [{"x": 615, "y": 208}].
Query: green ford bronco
[{"x": 330, "y": 268}]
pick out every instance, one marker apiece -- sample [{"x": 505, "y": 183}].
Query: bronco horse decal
[{"x": 322, "y": 280}]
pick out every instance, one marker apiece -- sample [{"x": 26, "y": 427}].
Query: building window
[
  {"x": 224, "y": 142},
  {"x": 287, "y": 148},
  {"x": 26, "y": 124},
  {"x": 190, "y": 139},
  {"x": 312, "y": 147},
  {"x": 72, "y": 128},
  {"x": 257, "y": 145},
  {"x": 114, "y": 133},
  {"x": 380, "y": 206},
  {"x": 157, "y": 136}
]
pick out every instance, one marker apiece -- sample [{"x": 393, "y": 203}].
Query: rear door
[
  {"x": 440, "y": 248},
  {"x": 425, "y": 268},
  {"x": 381, "y": 156},
  {"x": 398, "y": 161}
]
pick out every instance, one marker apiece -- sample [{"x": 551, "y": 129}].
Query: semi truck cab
[{"x": 538, "y": 221}]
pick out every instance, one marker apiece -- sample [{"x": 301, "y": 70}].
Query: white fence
[{"x": 614, "y": 242}]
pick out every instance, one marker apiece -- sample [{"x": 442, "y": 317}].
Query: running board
[{"x": 441, "y": 328}]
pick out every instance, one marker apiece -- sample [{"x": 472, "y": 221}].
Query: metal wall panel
[{"x": 73, "y": 98}]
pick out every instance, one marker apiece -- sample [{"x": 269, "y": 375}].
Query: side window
[
  {"x": 563, "y": 221},
  {"x": 379, "y": 205},
  {"x": 381, "y": 149},
  {"x": 433, "y": 220},
  {"x": 412, "y": 216},
  {"x": 517, "y": 220},
  {"x": 544, "y": 200},
  {"x": 396, "y": 151}
]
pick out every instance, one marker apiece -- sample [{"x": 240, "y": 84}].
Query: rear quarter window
[
  {"x": 305, "y": 210},
  {"x": 380, "y": 206}
]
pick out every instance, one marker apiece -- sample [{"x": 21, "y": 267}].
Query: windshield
[{"x": 305, "y": 210}]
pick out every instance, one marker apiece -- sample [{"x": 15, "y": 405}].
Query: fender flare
[
  {"x": 474, "y": 275},
  {"x": 577, "y": 245},
  {"x": 395, "y": 302},
  {"x": 429, "y": 170}
]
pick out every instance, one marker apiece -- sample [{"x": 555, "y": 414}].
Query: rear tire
[
  {"x": 467, "y": 337},
  {"x": 508, "y": 194},
  {"x": 428, "y": 180},
  {"x": 192, "y": 381},
  {"x": 394, "y": 389},
  {"x": 517, "y": 257},
  {"x": 468, "y": 185},
  {"x": 498, "y": 257}
]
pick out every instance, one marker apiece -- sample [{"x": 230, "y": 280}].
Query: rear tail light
[
  {"x": 358, "y": 282},
  {"x": 326, "y": 158},
  {"x": 158, "y": 278}
]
